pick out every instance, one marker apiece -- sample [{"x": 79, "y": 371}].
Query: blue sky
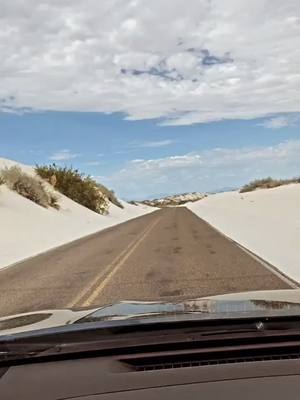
[
  {"x": 103, "y": 145},
  {"x": 155, "y": 97}
]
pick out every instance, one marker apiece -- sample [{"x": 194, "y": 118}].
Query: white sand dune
[
  {"x": 27, "y": 229},
  {"x": 266, "y": 221}
]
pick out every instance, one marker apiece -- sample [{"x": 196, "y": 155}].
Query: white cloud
[
  {"x": 280, "y": 121},
  {"x": 137, "y": 160},
  {"x": 63, "y": 155},
  {"x": 206, "y": 170},
  {"x": 209, "y": 61},
  {"x": 154, "y": 143}
]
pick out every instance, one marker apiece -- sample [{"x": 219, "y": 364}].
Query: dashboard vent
[{"x": 152, "y": 363}]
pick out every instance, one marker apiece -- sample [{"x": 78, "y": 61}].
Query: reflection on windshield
[
  {"x": 200, "y": 309},
  {"x": 128, "y": 310}
]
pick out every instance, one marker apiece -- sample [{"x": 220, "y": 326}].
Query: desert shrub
[
  {"x": 1, "y": 180},
  {"x": 28, "y": 186},
  {"x": 53, "y": 201},
  {"x": 75, "y": 185},
  {"x": 103, "y": 204},
  {"x": 110, "y": 195},
  {"x": 132, "y": 202},
  {"x": 267, "y": 183}
]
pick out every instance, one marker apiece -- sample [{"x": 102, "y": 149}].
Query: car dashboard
[{"x": 110, "y": 378}]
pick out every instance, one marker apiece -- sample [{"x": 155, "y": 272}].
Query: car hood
[{"x": 262, "y": 303}]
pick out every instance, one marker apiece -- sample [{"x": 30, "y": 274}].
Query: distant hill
[{"x": 174, "y": 200}]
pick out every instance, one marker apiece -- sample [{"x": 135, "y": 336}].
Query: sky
[{"x": 153, "y": 98}]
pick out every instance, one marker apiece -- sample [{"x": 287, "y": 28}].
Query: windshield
[{"x": 150, "y": 157}]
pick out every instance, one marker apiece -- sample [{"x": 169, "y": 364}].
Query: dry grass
[
  {"x": 30, "y": 187},
  {"x": 267, "y": 183}
]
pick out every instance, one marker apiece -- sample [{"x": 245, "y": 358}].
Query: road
[{"x": 169, "y": 254}]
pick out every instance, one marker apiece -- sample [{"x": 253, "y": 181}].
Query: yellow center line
[
  {"x": 93, "y": 287},
  {"x": 119, "y": 264}
]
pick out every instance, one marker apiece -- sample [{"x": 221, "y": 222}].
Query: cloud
[
  {"x": 170, "y": 162},
  {"x": 63, "y": 155},
  {"x": 280, "y": 121},
  {"x": 209, "y": 61},
  {"x": 137, "y": 160},
  {"x": 153, "y": 144},
  {"x": 207, "y": 170}
]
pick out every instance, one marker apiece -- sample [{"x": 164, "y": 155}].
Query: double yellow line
[{"x": 88, "y": 294}]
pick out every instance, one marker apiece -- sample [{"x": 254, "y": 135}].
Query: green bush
[
  {"x": 75, "y": 185},
  {"x": 267, "y": 183},
  {"x": 28, "y": 186}
]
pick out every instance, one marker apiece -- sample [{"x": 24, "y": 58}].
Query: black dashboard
[{"x": 109, "y": 378}]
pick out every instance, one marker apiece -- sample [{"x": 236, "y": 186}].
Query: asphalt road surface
[{"x": 170, "y": 254}]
